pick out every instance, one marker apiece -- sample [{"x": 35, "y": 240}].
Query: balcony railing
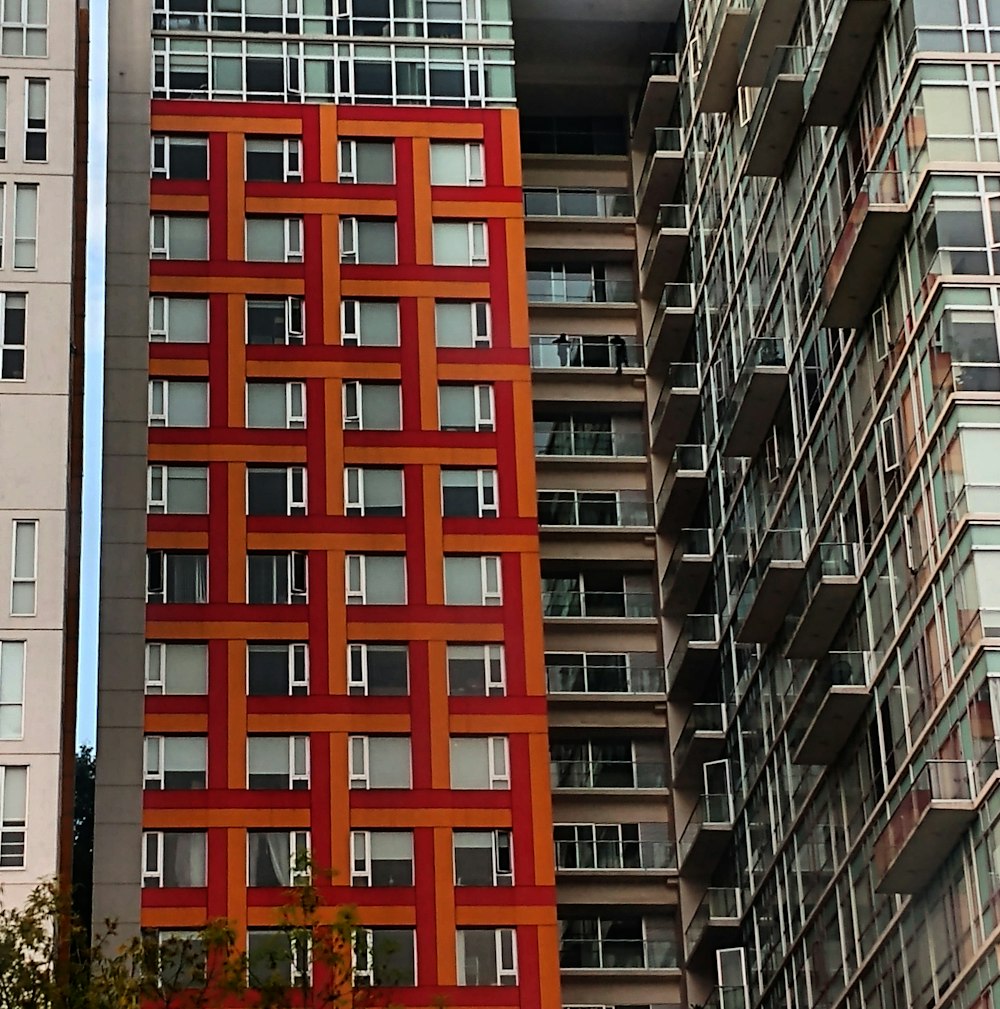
[
  {"x": 582, "y": 352},
  {"x": 658, "y": 65},
  {"x": 778, "y": 113},
  {"x": 677, "y": 404},
  {"x": 590, "y": 443},
  {"x": 710, "y": 717},
  {"x": 831, "y": 586},
  {"x": 568, "y": 290},
  {"x": 608, "y": 774},
  {"x": 591, "y": 678},
  {"x": 627, "y": 605},
  {"x": 618, "y": 954},
  {"x": 666, "y": 140},
  {"x": 717, "y": 76},
  {"x": 672, "y": 325},
  {"x": 714, "y": 810},
  {"x": 672, "y": 218},
  {"x": 720, "y": 906},
  {"x": 560, "y": 202},
  {"x": 615, "y": 855},
  {"x": 762, "y": 382},
  {"x": 613, "y": 509}
]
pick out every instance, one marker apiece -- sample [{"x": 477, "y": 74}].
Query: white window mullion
[
  {"x": 499, "y": 763},
  {"x": 361, "y": 858},
  {"x": 359, "y": 760}
]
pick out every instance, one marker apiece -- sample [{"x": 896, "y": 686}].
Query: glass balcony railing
[
  {"x": 666, "y": 140},
  {"x": 623, "y": 509},
  {"x": 718, "y": 903},
  {"x": 659, "y": 65},
  {"x": 590, "y": 443},
  {"x": 626, "y": 605},
  {"x": 696, "y": 543},
  {"x": 573, "y": 351},
  {"x": 788, "y": 61},
  {"x": 713, "y": 717},
  {"x": 614, "y": 855},
  {"x": 714, "y": 809},
  {"x": 670, "y": 217},
  {"x": 618, "y": 954},
  {"x": 702, "y": 628},
  {"x": 608, "y": 774},
  {"x": 545, "y": 288},
  {"x": 590, "y": 677},
  {"x": 560, "y": 202}
]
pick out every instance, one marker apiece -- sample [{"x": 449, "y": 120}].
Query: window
[
  {"x": 177, "y": 490},
  {"x": 278, "y": 669},
  {"x": 278, "y": 762},
  {"x": 377, "y": 670},
  {"x": 180, "y": 958},
  {"x": 13, "y": 816},
  {"x": 367, "y": 241},
  {"x": 466, "y": 407},
  {"x": 25, "y": 226},
  {"x": 276, "y": 958},
  {"x": 12, "y": 317},
  {"x": 376, "y": 579},
  {"x": 274, "y": 159},
  {"x": 384, "y": 957},
  {"x": 23, "y": 28},
  {"x": 11, "y": 689},
  {"x": 457, "y": 164},
  {"x": 276, "y": 321},
  {"x": 176, "y": 403},
  {"x": 462, "y": 323},
  {"x": 24, "y": 569},
  {"x": 479, "y": 762},
  {"x": 174, "y": 858},
  {"x": 276, "y": 490},
  {"x": 178, "y": 320},
  {"x": 475, "y": 670},
  {"x": 460, "y": 243},
  {"x": 379, "y": 761},
  {"x": 36, "y": 120},
  {"x": 179, "y": 157},
  {"x": 174, "y": 667},
  {"x": 176, "y": 577},
  {"x": 613, "y": 846},
  {"x": 280, "y": 578},
  {"x": 472, "y": 581},
  {"x": 277, "y": 857},
  {"x": 469, "y": 493},
  {"x": 274, "y": 239},
  {"x": 179, "y": 762},
  {"x": 486, "y": 956},
  {"x": 373, "y": 492},
  {"x": 888, "y": 430},
  {"x": 482, "y": 858},
  {"x": 381, "y": 858},
  {"x": 276, "y": 404},
  {"x": 369, "y": 323},
  {"x": 372, "y": 406},
  {"x": 178, "y": 237},
  {"x": 3, "y": 118},
  {"x": 367, "y": 161}
]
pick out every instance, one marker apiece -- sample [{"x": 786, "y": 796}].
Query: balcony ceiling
[{"x": 586, "y": 56}]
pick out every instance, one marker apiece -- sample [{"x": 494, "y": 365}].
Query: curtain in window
[
  {"x": 270, "y": 858},
  {"x": 184, "y": 859}
]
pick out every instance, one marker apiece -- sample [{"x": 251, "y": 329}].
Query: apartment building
[{"x": 42, "y": 177}]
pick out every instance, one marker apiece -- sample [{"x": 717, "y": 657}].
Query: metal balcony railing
[
  {"x": 625, "y": 774},
  {"x": 613, "y": 509},
  {"x": 590, "y": 443},
  {"x": 591, "y": 678},
  {"x": 618, "y": 954},
  {"x": 582, "y": 352},
  {"x": 569, "y": 290},
  {"x": 561, "y": 202},
  {"x": 575, "y": 603},
  {"x": 615, "y": 855}
]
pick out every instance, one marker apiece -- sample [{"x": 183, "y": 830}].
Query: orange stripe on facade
[
  {"x": 319, "y": 722},
  {"x": 476, "y": 211},
  {"x": 510, "y": 133},
  {"x": 433, "y": 536},
  {"x": 187, "y": 203},
  {"x": 227, "y": 124},
  {"x": 235, "y": 197},
  {"x": 427, "y": 358},
  {"x": 474, "y": 544},
  {"x": 315, "y": 205},
  {"x": 360, "y": 455},
  {"x": 236, "y": 534},
  {"x": 511, "y": 914},
  {"x": 328, "y": 143},
  {"x": 159, "y": 452},
  {"x": 169, "y": 722},
  {"x": 159, "y": 539},
  {"x": 534, "y": 634},
  {"x": 541, "y": 809},
  {"x": 474, "y": 373},
  {"x": 334, "y": 543},
  {"x": 422, "y": 205},
  {"x": 161, "y": 284},
  {"x": 517, "y": 284},
  {"x": 444, "y": 894},
  {"x": 173, "y": 368},
  {"x": 236, "y": 879},
  {"x": 481, "y": 725},
  {"x": 340, "y": 804},
  {"x": 236, "y": 699},
  {"x": 337, "y": 624},
  {"x": 401, "y": 630},
  {"x": 375, "y": 128},
  {"x": 459, "y": 816},
  {"x": 524, "y": 459},
  {"x": 236, "y": 364},
  {"x": 437, "y": 691},
  {"x": 333, "y": 408},
  {"x": 237, "y": 817},
  {"x": 327, "y": 369},
  {"x": 188, "y": 630},
  {"x": 330, "y": 252},
  {"x": 454, "y": 289}
]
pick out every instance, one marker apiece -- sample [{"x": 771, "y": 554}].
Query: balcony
[
  {"x": 546, "y": 290},
  {"x": 758, "y": 392},
  {"x": 613, "y": 775},
  {"x": 671, "y": 327},
  {"x": 611, "y": 955},
  {"x": 563, "y": 511},
  {"x": 667, "y": 246},
  {"x": 661, "y": 172},
  {"x": 832, "y": 582},
  {"x": 688, "y": 570},
  {"x": 717, "y": 76},
  {"x": 676, "y": 406},
  {"x": 656, "y": 97},
  {"x": 774, "y": 579},
  {"x": 682, "y": 486},
  {"x": 769, "y": 28},
  {"x": 840, "y": 60},
  {"x": 578, "y": 204},
  {"x": 604, "y": 674},
  {"x": 614, "y": 854},
  {"x": 835, "y": 698},
  {"x": 706, "y": 834},
  {"x": 929, "y": 822},
  {"x": 777, "y": 115},
  {"x": 867, "y": 247},
  {"x": 601, "y": 443},
  {"x": 714, "y": 925},
  {"x": 701, "y": 739},
  {"x": 695, "y": 656},
  {"x": 599, "y": 605},
  {"x": 569, "y": 354}
]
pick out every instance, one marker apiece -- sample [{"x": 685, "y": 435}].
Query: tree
[{"x": 83, "y": 836}]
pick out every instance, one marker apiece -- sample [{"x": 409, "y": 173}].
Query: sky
[{"x": 93, "y": 378}]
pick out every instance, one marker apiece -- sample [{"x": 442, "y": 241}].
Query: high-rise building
[
  {"x": 43, "y": 76},
  {"x": 753, "y": 289}
]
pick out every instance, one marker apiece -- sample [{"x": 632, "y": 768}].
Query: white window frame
[
  {"x": 481, "y": 324},
  {"x": 351, "y": 333},
  {"x": 295, "y": 318},
  {"x": 355, "y": 389},
  {"x": 7, "y": 305},
  {"x": 3, "y": 118},
  {"x": 295, "y": 506},
  {"x": 486, "y": 485},
  {"x": 484, "y": 402},
  {"x": 291, "y": 157},
  {"x": 17, "y": 669},
  {"x": 359, "y": 500},
  {"x": 159, "y": 305},
  {"x": 475, "y": 162},
  {"x": 28, "y": 130},
  {"x": 362, "y": 681},
  {"x": 298, "y": 840},
  {"x": 490, "y": 570},
  {"x": 160, "y": 505},
  {"x": 295, "y": 974},
  {"x": 3, "y": 223},
  {"x": 507, "y": 877},
  {"x": 361, "y": 855},
  {"x": 359, "y": 596},
  {"x": 298, "y": 588},
  {"x": 498, "y": 757},
  {"x": 296, "y": 776},
  {"x": 154, "y": 683},
  {"x": 350, "y": 241},
  {"x": 156, "y": 838},
  {"x": 158, "y": 773},
  {"x": 890, "y": 453},
  {"x": 30, "y": 236},
  {"x": 161, "y": 418},
  {"x": 295, "y": 413},
  {"x": 296, "y": 649},
  {"x": 159, "y": 156},
  {"x": 347, "y": 160},
  {"x": 24, "y": 579},
  {"x": 506, "y": 972},
  {"x": 162, "y": 575},
  {"x": 489, "y": 679},
  {"x": 293, "y": 239},
  {"x": 161, "y": 222},
  {"x": 360, "y": 778},
  {"x": 14, "y": 831},
  {"x": 477, "y": 244}
]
